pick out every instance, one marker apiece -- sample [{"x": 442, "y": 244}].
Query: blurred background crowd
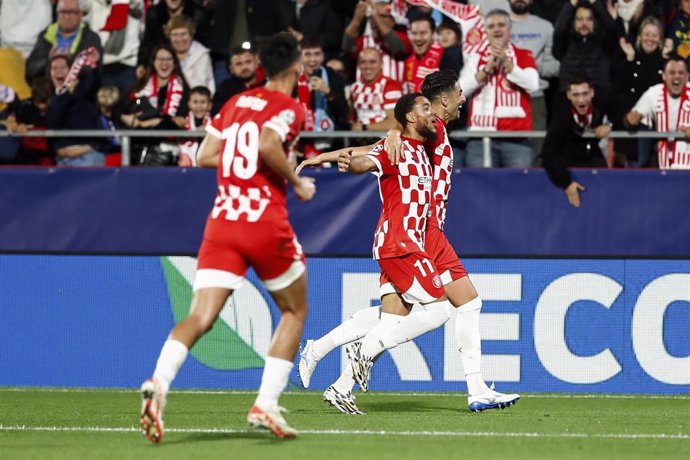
[{"x": 172, "y": 64}]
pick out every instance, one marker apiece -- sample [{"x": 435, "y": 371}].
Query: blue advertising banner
[
  {"x": 500, "y": 212},
  {"x": 570, "y": 325}
]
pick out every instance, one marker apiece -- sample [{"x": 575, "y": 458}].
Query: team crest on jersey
[
  {"x": 436, "y": 281},
  {"x": 377, "y": 148},
  {"x": 288, "y": 116}
]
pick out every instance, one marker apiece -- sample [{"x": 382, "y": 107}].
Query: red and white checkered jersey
[
  {"x": 442, "y": 157},
  {"x": 371, "y": 100},
  {"x": 391, "y": 67},
  {"x": 248, "y": 189},
  {"x": 405, "y": 198}
]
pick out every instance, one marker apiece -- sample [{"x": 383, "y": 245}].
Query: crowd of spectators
[{"x": 522, "y": 64}]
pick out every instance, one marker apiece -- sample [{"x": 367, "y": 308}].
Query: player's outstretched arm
[
  {"x": 332, "y": 157},
  {"x": 355, "y": 164},
  {"x": 271, "y": 151},
  {"x": 209, "y": 152}
]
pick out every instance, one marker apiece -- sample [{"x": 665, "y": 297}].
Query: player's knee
[
  {"x": 440, "y": 312},
  {"x": 295, "y": 308},
  {"x": 472, "y": 305}
]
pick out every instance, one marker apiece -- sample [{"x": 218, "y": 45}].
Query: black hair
[
  {"x": 311, "y": 41},
  {"x": 426, "y": 18},
  {"x": 439, "y": 82},
  {"x": 278, "y": 52},
  {"x": 404, "y": 106},
  {"x": 202, "y": 90},
  {"x": 450, "y": 25},
  {"x": 236, "y": 51},
  {"x": 676, "y": 58},
  {"x": 579, "y": 80}
]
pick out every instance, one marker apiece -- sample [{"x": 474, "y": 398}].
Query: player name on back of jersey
[{"x": 250, "y": 102}]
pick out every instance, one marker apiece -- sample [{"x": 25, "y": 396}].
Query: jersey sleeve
[
  {"x": 215, "y": 128},
  {"x": 380, "y": 158},
  {"x": 286, "y": 121},
  {"x": 391, "y": 93}
]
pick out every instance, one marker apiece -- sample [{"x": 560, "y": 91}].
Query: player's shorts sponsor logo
[{"x": 436, "y": 281}]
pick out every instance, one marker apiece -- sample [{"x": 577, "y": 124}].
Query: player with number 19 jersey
[{"x": 248, "y": 224}]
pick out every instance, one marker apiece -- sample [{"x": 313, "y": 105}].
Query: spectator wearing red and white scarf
[
  {"x": 500, "y": 79},
  {"x": 196, "y": 120},
  {"x": 665, "y": 107},
  {"x": 373, "y": 97},
  {"x": 159, "y": 98},
  {"x": 427, "y": 56}
]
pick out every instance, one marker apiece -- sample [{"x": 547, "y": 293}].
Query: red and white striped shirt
[{"x": 371, "y": 100}]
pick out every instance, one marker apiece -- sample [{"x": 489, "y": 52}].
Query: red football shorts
[
  {"x": 443, "y": 255},
  {"x": 414, "y": 276},
  {"x": 270, "y": 247}
]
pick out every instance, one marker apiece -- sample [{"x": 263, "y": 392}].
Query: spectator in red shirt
[{"x": 427, "y": 56}]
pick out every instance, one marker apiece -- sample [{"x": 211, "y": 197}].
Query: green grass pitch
[{"x": 76, "y": 424}]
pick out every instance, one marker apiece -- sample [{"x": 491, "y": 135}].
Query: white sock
[
  {"x": 469, "y": 342},
  {"x": 173, "y": 354},
  {"x": 432, "y": 316},
  {"x": 353, "y": 328},
  {"x": 379, "y": 338},
  {"x": 346, "y": 382},
  {"x": 273, "y": 382}
]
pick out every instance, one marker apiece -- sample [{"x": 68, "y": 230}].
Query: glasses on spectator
[
  {"x": 70, "y": 12},
  {"x": 164, "y": 59}
]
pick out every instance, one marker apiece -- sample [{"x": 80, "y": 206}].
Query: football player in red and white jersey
[
  {"x": 444, "y": 92},
  {"x": 249, "y": 141}
]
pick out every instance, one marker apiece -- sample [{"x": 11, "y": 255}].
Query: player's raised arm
[
  {"x": 208, "y": 154},
  {"x": 271, "y": 151}
]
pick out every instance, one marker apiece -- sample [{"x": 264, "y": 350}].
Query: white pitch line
[
  {"x": 470, "y": 434},
  {"x": 314, "y": 392}
]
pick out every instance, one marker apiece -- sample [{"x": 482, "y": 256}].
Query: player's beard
[
  {"x": 427, "y": 133},
  {"x": 247, "y": 78},
  {"x": 519, "y": 8}
]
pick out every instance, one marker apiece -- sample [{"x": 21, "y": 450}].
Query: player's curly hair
[
  {"x": 439, "y": 82},
  {"x": 278, "y": 52},
  {"x": 404, "y": 106}
]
